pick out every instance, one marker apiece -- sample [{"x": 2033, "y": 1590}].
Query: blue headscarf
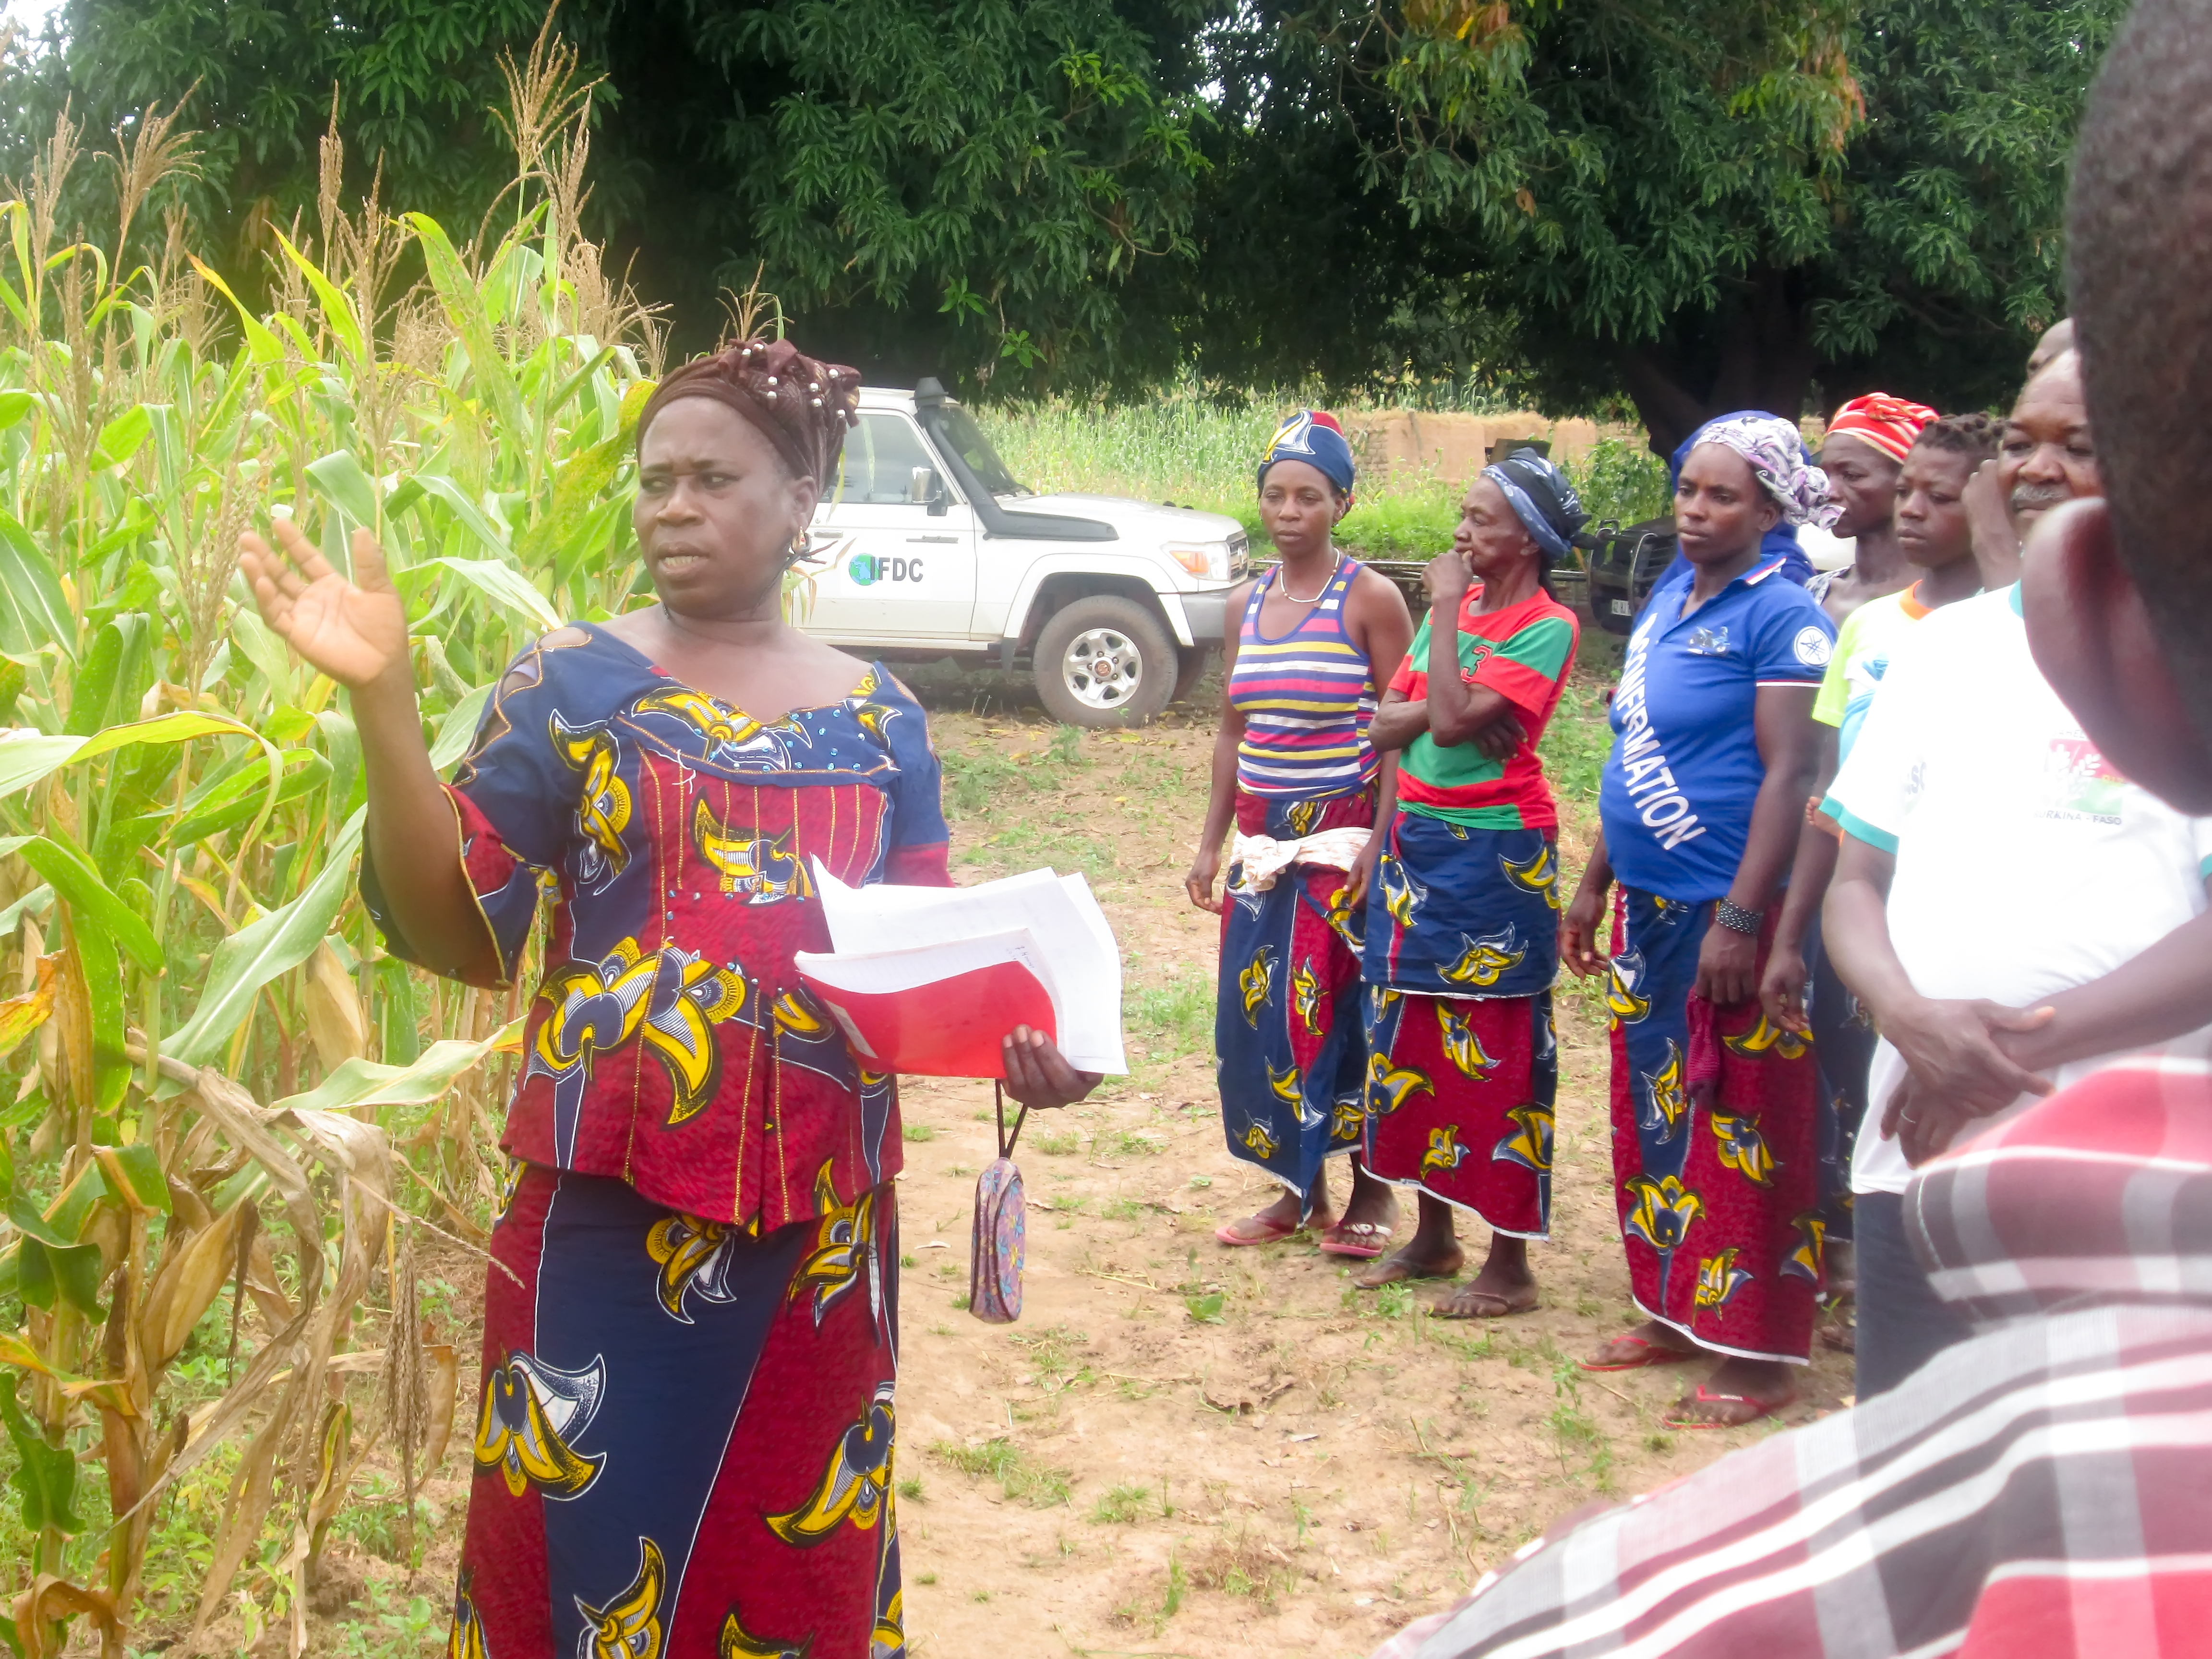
[
  {"x": 1541, "y": 498},
  {"x": 1313, "y": 436},
  {"x": 1781, "y": 542}
]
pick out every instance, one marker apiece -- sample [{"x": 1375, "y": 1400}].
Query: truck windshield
[{"x": 956, "y": 427}]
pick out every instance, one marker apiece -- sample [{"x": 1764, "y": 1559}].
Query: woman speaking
[{"x": 683, "y": 1437}]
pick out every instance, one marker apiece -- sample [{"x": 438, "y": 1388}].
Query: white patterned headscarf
[{"x": 1776, "y": 455}]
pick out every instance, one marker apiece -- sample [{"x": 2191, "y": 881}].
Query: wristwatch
[{"x": 1736, "y": 919}]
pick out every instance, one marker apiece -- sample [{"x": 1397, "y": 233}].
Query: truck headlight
[{"x": 1202, "y": 558}]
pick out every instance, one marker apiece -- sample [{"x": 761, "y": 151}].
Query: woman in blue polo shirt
[{"x": 1715, "y": 1164}]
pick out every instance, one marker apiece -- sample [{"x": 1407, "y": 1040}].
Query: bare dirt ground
[{"x": 1184, "y": 1449}]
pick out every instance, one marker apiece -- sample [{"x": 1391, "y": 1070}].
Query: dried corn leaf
[{"x": 336, "y": 1023}]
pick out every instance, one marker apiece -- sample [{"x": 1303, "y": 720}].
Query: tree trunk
[{"x": 1755, "y": 351}]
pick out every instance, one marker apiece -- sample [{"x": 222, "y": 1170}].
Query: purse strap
[{"x": 999, "y": 1101}]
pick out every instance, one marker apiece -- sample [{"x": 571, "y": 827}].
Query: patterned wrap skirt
[
  {"x": 1461, "y": 948},
  {"x": 684, "y": 1440},
  {"x": 1715, "y": 1145},
  {"x": 1289, "y": 1051}
]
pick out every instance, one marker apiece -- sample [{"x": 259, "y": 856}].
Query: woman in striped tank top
[{"x": 1293, "y": 770}]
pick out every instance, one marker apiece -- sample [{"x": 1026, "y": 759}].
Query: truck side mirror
[{"x": 923, "y": 489}]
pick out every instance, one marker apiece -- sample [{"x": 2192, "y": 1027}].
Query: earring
[{"x": 801, "y": 548}]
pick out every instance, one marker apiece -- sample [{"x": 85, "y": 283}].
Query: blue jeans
[{"x": 1902, "y": 1323}]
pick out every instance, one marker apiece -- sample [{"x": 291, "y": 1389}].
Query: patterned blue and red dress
[
  {"x": 1290, "y": 1053},
  {"x": 1462, "y": 938},
  {"x": 682, "y": 1441}
]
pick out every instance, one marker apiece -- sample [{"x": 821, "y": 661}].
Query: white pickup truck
[{"x": 927, "y": 547}]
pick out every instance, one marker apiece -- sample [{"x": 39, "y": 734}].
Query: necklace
[{"x": 1318, "y": 592}]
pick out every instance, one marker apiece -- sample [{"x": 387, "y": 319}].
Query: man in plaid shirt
[{"x": 2044, "y": 1489}]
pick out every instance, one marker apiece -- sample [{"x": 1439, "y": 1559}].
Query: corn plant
[{"x": 213, "y": 1077}]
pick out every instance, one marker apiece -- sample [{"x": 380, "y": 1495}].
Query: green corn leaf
[
  {"x": 262, "y": 347},
  {"x": 473, "y": 518},
  {"x": 338, "y": 309},
  {"x": 244, "y": 794},
  {"x": 103, "y": 994},
  {"x": 133, "y": 1173},
  {"x": 458, "y": 729},
  {"x": 360, "y": 1083},
  {"x": 120, "y": 438},
  {"x": 91, "y": 901},
  {"x": 505, "y": 585},
  {"x": 255, "y": 955},
  {"x": 33, "y": 611},
  {"x": 464, "y": 308},
  {"x": 62, "y": 1223},
  {"x": 347, "y": 486},
  {"x": 45, "y": 1474},
  {"x": 28, "y": 756}
]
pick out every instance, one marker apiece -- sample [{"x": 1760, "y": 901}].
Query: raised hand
[{"x": 353, "y": 631}]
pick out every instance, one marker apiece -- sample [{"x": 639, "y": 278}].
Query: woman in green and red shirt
[{"x": 1462, "y": 929}]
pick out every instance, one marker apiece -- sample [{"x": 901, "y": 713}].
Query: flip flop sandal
[
  {"x": 1363, "y": 1241},
  {"x": 1705, "y": 1396},
  {"x": 1507, "y": 1305},
  {"x": 1272, "y": 1232},
  {"x": 1653, "y": 1354}
]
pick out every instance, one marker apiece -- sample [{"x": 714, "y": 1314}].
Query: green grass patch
[
  {"x": 1129, "y": 1502},
  {"x": 917, "y": 1131},
  {"x": 1020, "y": 1476}
]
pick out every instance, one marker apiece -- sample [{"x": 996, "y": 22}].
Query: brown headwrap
[{"x": 802, "y": 406}]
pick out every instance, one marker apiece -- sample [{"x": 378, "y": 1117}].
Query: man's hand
[
  {"x": 353, "y": 631},
  {"x": 1038, "y": 1074},
  {"x": 1727, "y": 964},
  {"x": 1578, "y": 932},
  {"x": 1782, "y": 987},
  {"x": 1926, "y": 1125},
  {"x": 1204, "y": 869},
  {"x": 1950, "y": 1045}
]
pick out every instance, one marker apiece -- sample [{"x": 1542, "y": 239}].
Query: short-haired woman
[
  {"x": 1462, "y": 922},
  {"x": 1713, "y": 1129},
  {"x": 683, "y": 1436},
  {"x": 1295, "y": 774}
]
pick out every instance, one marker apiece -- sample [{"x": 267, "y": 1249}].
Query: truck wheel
[
  {"x": 1104, "y": 661},
  {"x": 1195, "y": 663}
]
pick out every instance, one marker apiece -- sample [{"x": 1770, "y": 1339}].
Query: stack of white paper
[{"x": 888, "y": 940}]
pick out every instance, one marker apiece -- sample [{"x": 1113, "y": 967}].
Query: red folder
[{"x": 940, "y": 1011}]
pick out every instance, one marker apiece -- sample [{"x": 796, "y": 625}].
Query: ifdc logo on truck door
[{"x": 866, "y": 569}]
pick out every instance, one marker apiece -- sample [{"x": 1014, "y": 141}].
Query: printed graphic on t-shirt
[
  {"x": 1813, "y": 647},
  {"x": 1708, "y": 642},
  {"x": 2082, "y": 785}
]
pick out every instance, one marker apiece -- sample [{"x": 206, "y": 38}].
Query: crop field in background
[{"x": 1201, "y": 450}]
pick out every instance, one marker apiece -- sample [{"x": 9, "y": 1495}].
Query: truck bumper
[{"x": 1205, "y": 615}]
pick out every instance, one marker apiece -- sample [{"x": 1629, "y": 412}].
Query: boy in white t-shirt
[{"x": 2003, "y": 902}]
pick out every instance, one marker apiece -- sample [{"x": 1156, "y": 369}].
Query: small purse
[{"x": 994, "y": 1247}]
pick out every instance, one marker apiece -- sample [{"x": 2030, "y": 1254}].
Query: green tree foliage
[
  {"x": 928, "y": 184},
  {"x": 1712, "y": 203},
  {"x": 1701, "y": 204}
]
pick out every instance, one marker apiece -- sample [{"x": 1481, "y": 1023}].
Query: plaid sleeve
[
  {"x": 1525, "y": 668},
  {"x": 1412, "y": 680}
]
